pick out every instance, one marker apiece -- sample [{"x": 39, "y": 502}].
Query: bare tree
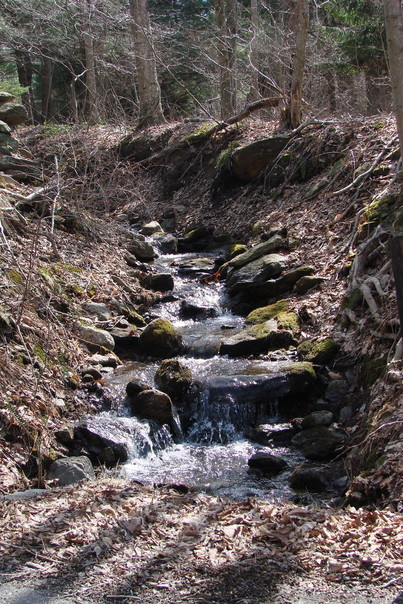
[
  {"x": 91, "y": 99},
  {"x": 227, "y": 22},
  {"x": 148, "y": 88},
  {"x": 254, "y": 52}
]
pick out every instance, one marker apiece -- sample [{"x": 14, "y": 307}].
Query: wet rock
[
  {"x": 142, "y": 250},
  {"x": 320, "y": 442},
  {"x": 100, "y": 432},
  {"x": 255, "y": 340},
  {"x": 126, "y": 340},
  {"x": 105, "y": 360},
  {"x": 197, "y": 266},
  {"x": 153, "y": 404},
  {"x": 70, "y": 470},
  {"x": 258, "y": 251},
  {"x": 266, "y": 434},
  {"x": 134, "y": 388},
  {"x": 267, "y": 463},
  {"x": 317, "y": 418},
  {"x": 306, "y": 283},
  {"x": 197, "y": 313},
  {"x": 161, "y": 282},
  {"x": 160, "y": 340},
  {"x": 92, "y": 372},
  {"x": 257, "y": 271},
  {"x": 96, "y": 337},
  {"x": 173, "y": 378},
  {"x": 150, "y": 228},
  {"x": 309, "y": 477},
  {"x": 319, "y": 352},
  {"x": 168, "y": 244}
]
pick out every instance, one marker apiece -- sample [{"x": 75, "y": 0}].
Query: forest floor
[{"x": 111, "y": 541}]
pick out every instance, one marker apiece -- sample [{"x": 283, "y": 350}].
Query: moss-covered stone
[
  {"x": 265, "y": 313},
  {"x": 306, "y": 283},
  {"x": 160, "y": 339},
  {"x": 225, "y": 155},
  {"x": 236, "y": 249},
  {"x": 288, "y": 320},
  {"x": 256, "y": 339},
  {"x": 353, "y": 299},
  {"x": 380, "y": 209},
  {"x": 319, "y": 352}
]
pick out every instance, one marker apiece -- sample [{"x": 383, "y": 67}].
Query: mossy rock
[
  {"x": 236, "y": 249},
  {"x": 288, "y": 320},
  {"x": 370, "y": 370},
  {"x": 319, "y": 352},
  {"x": 173, "y": 378},
  {"x": 256, "y": 339},
  {"x": 380, "y": 209},
  {"x": 160, "y": 339},
  {"x": 306, "y": 283},
  {"x": 301, "y": 375},
  {"x": 265, "y": 313}
]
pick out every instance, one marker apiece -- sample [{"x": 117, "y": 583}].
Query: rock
[
  {"x": 197, "y": 266},
  {"x": 126, "y": 340},
  {"x": 267, "y": 463},
  {"x": 141, "y": 146},
  {"x": 161, "y": 282},
  {"x": 260, "y": 315},
  {"x": 153, "y": 404},
  {"x": 4, "y": 128},
  {"x": 197, "y": 313},
  {"x": 250, "y": 160},
  {"x": 96, "y": 337},
  {"x": 160, "y": 340},
  {"x": 236, "y": 249},
  {"x": 20, "y": 169},
  {"x": 142, "y": 250},
  {"x": 8, "y": 144},
  {"x": 317, "y": 418},
  {"x": 134, "y": 388},
  {"x": 13, "y": 114},
  {"x": 173, "y": 378},
  {"x": 91, "y": 371},
  {"x": 196, "y": 239},
  {"x": 309, "y": 477},
  {"x": 106, "y": 438},
  {"x": 306, "y": 283},
  {"x": 258, "y": 251},
  {"x": 267, "y": 434},
  {"x": 319, "y": 352},
  {"x": 6, "y": 97},
  {"x": 336, "y": 392},
  {"x": 255, "y": 340},
  {"x": 70, "y": 470},
  {"x": 100, "y": 311},
  {"x": 167, "y": 243},
  {"x": 320, "y": 442},
  {"x": 150, "y": 228},
  {"x": 24, "y": 495},
  {"x": 105, "y": 360},
  {"x": 256, "y": 271}
]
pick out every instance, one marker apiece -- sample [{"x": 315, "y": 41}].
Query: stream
[{"x": 213, "y": 452}]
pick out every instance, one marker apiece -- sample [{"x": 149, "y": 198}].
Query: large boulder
[
  {"x": 70, "y": 470},
  {"x": 174, "y": 378},
  {"x": 256, "y": 339},
  {"x": 160, "y": 282},
  {"x": 319, "y": 352},
  {"x": 265, "y": 313},
  {"x": 160, "y": 340},
  {"x": 153, "y": 404},
  {"x": 250, "y": 160},
  {"x": 150, "y": 228},
  {"x": 317, "y": 418},
  {"x": 6, "y": 97},
  {"x": 320, "y": 442},
  {"x": 257, "y": 271},
  {"x": 269, "y": 434}
]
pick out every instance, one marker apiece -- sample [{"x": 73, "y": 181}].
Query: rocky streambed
[{"x": 220, "y": 390}]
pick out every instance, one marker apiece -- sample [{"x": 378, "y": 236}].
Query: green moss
[
  {"x": 267, "y": 312},
  {"x": 380, "y": 209},
  {"x": 56, "y": 129},
  {"x": 15, "y": 276},
  {"x": 370, "y": 370},
  {"x": 353, "y": 299},
  {"x": 67, "y": 267},
  {"x": 73, "y": 289},
  {"x": 301, "y": 368},
  {"x": 288, "y": 320},
  {"x": 200, "y": 132},
  {"x": 301, "y": 375},
  {"x": 226, "y": 154},
  {"x": 320, "y": 352},
  {"x": 133, "y": 316},
  {"x": 92, "y": 289},
  {"x": 236, "y": 249}
]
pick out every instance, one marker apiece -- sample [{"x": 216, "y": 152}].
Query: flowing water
[{"x": 231, "y": 395}]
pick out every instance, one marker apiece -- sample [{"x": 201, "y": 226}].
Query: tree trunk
[
  {"x": 148, "y": 88},
  {"x": 292, "y": 116},
  {"x": 226, "y": 19},
  {"x": 394, "y": 33},
  {"x": 46, "y": 89},
  {"x": 25, "y": 72},
  {"x": 254, "y": 52}
]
